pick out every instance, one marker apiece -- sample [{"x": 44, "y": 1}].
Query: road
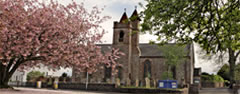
[{"x": 50, "y": 91}]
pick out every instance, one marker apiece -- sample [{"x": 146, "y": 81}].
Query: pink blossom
[{"x": 34, "y": 33}]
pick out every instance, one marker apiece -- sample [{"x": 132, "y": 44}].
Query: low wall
[
  {"x": 236, "y": 87},
  {"x": 194, "y": 89},
  {"x": 82, "y": 86},
  {"x": 104, "y": 87},
  {"x": 22, "y": 84},
  {"x": 158, "y": 91},
  {"x": 212, "y": 84}
]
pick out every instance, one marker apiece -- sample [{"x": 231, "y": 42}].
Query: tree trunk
[
  {"x": 3, "y": 76},
  {"x": 232, "y": 64},
  {"x": 6, "y": 73}
]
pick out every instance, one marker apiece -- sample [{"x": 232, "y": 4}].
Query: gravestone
[
  {"x": 108, "y": 81},
  {"x": 147, "y": 82},
  {"x": 154, "y": 83},
  {"x": 128, "y": 82},
  {"x": 137, "y": 83},
  {"x": 117, "y": 83}
]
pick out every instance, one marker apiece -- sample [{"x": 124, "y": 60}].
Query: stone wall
[
  {"x": 158, "y": 67},
  {"x": 82, "y": 86},
  {"x": 107, "y": 88},
  {"x": 212, "y": 84}
]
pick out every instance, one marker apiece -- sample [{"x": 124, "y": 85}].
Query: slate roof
[
  {"x": 147, "y": 50},
  {"x": 135, "y": 16},
  {"x": 154, "y": 50},
  {"x": 124, "y": 18}
]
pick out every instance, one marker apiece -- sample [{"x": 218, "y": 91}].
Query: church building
[{"x": 140, "y": 60}]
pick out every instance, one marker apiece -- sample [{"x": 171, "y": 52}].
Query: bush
[
  {"x": 224, "y": 72},
  {"x": 217, "y": 78},
  {"x": 212, "y": 78},
  {"x": 34, "y": 75},
  {"x": 206, "y": 78}
]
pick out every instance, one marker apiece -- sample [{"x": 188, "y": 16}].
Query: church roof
[
  {"x": 124, "y": 18},
  {"x": 147, "y": 50},
  {"x": 153, "y": 50},
  {"x": 135, "y": 16}
]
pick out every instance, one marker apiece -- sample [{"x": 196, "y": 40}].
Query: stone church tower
[{"x": 126, "y": 38}]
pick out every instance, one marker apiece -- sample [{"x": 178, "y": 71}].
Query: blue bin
[{"x": 167, "y": 84}]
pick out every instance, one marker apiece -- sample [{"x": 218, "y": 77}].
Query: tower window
[{"x": 121, "y": 36}]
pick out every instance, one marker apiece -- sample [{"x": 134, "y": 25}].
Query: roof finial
[
  {"x": 125, "y": 9},
  {"x": 135, "y": 7}
]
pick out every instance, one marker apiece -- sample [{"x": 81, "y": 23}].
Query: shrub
[
  {"x": 34, "y": 75},
  {"x": 217, "y": 78},
  {"x": 212, "y": 78},
  {"x": 206, "y": 78}
]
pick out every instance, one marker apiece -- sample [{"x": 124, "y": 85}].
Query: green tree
[
  {"x": 34, "y": 75},
  {"x": 174, "y": 55},
  {"x": 224, "y": 72},
  {"x": 214, "y": 24},
  {"x": 64, "y": 75},
  {"x": 237, "y": 72}
]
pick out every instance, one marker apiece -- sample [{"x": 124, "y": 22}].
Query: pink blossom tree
[{"x": 34, "y": 33}]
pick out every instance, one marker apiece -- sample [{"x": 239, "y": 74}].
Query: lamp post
[{"x": 87, "y": 81}]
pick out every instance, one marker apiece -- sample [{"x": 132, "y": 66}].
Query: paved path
[
  {"x": 49, "y": 91},
  {"x": 215, "y": 91}
]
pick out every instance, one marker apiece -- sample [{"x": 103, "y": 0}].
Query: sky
[{"x": 115, "y": 9}]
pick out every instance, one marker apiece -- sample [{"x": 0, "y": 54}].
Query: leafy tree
[
  {"x": 167, "y": 76},
  {"x": 204, "y": 73},
  {"x": 64, "y": 75},
  {"x": 237, "y": 72},
  {"x": 174, "y": 55},
  {"x": 34, "y": 75},
  {"x": 214, "y": 24},
  {"x": 34, "y": 33},
  {"x": 224, "y": 72}
]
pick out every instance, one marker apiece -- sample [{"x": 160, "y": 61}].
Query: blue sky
[{"x": 115, "y": 9}]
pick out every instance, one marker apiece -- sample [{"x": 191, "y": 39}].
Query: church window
[
  {"x": 119, "y": 74},
  {"x": 107, "y": 72},
  {"x": 121, "y": 36},
  {"x": 173, "y": 69},
  {"x": 147, "y": 69}
]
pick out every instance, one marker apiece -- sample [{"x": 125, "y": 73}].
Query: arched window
[
  {"x": 121, "y": 36},
  {"x": 147, "y": 69},
  {"x": 119, "y": 74},
  {"x": 107, "y": 73}
]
